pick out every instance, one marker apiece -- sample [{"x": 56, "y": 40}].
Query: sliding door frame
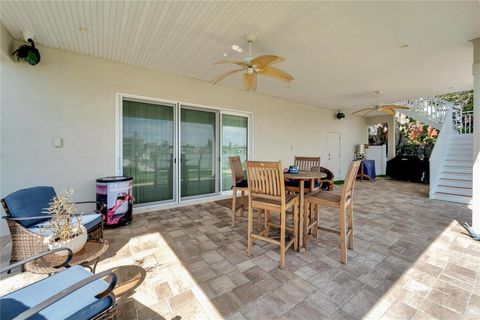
[
  {"x": 190, "y": 106},
  {"x": 250, "y": 148},
  {"x": 119, "y": 142},
  {"x": 178, "y": 105}
]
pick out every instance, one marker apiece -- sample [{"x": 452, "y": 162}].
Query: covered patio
[
  {"x": 129, "y": 128},
  {"x": 412, "y": 260}
]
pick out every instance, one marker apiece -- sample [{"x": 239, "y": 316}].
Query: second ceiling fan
[
  {"x": 387, "y": 108},
  {"x": 252, "y": 67}
]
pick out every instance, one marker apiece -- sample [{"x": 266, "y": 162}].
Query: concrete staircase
[{"x": 451, "y": 162}]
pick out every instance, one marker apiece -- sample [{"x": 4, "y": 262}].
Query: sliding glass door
[
  {"x": 148, "y": 149},
  {"x": 198, "y": 149},
  {"x": 234, "y": 143},
  {"x": 178, "y": 152}
]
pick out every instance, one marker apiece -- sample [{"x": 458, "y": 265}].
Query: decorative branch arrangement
[{"x": 64, "y": 224}]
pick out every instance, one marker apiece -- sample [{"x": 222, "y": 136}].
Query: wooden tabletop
[{"x": 305, "y": 175}]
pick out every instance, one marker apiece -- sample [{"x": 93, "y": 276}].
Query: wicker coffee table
[{"x": 90, "y": 254}]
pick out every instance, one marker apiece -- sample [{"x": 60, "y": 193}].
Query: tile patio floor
[{"x": 412, "y": 260}]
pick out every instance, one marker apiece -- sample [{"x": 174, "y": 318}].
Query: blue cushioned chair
[
  {"x": 71, "y": 294},
  {"x": 25, "y": 218}
]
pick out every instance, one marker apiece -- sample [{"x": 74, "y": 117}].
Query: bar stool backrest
[
  {"x": 307, "y": 163},
  {"x": 349, "y": 185},
  {"x": 237, "y": 170},
  {"x": 265, "y": 180}
]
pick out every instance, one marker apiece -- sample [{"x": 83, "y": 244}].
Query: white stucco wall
[{"x": 72, "y": 96}]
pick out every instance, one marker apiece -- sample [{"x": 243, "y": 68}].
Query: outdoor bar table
[{"x": 301, "y": 177}]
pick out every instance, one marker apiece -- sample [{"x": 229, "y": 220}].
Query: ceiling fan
[
  {"x": 252, "y": 67},
  {"x": 387, "y": 108}
]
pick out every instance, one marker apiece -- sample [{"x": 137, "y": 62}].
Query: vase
[{"x": 75, "y": 244}]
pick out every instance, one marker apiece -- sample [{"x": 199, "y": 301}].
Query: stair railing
[
  {"x": 463, "y": 121},
  {"x": 433, "y": 108},
  {"x": 438, "y": 154}
]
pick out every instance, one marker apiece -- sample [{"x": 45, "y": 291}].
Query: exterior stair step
[
  {"x": 450, "y": 197},
  {"x": 462, "y": 137},
  {"x": 460, "y": 156},
  {"x": 454, "y": 190},
  {"x": 455, "y": 183},
  {"x": 456, "y": 176},
  {"x": 458, "y": 163},
  {"x": 448, "y": 169},
  {"x": 457, "y": 148}
]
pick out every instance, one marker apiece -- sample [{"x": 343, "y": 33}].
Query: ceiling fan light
[{"x": 237, "y": 48}]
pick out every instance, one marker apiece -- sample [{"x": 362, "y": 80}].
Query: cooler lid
[{"x": 114, "y": 179}]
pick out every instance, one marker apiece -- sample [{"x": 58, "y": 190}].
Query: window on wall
[
  {"x": 177, "y": 152},
  {"x": 234, "y": 143},
  {"x": 378, "y": 135}
]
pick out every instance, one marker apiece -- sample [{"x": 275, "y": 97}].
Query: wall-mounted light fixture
[{"x": 28, "y": 52}]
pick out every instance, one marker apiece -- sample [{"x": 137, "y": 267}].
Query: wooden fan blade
[
  {"x": 361, "y": 110},
  {"x": 223, "y": 76},
  {"x": 388, "y": 110},
  {"x": 276, "y": 73},
  {"x": 266, "y": 60},
  {"x": 396, "y": 106},
  {"x": 250, "y": 81},
  {"x": 238, "y": 62},
  {"x": 371, "y": 110}
]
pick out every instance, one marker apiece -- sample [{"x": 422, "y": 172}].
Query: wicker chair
[
  {"x": 327, "y": 183},
  {"x": 73, "y": 292},
  {"x": 25, "y": 220}
]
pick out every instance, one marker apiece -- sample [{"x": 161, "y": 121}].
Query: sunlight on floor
[{"x": 167, "y": 278}]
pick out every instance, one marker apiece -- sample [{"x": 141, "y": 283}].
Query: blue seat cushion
[
  {"x": 89, "y": 221},
  {"x": 296, "y": 184},
  {"x": 242, "y": 184},
  {"x": 80, "y": 304},
  {"x": 29, "y": 203}
]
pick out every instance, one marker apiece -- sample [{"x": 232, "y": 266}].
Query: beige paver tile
[{"x": 412, "y": 259}]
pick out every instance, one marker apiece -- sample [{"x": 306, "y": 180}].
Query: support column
[{"x": 476, "y": 136}]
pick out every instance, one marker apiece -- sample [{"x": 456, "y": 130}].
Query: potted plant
[{"x": 65, "y": 228}]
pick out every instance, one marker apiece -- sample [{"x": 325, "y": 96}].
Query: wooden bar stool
[
  {"x": 239, "y": 184},
  {"x": 344, "y": 202},
  {"x": 266, "y": 191}
]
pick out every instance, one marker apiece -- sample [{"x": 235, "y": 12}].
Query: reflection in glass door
[
  {"x": 234, "y": 143},
  {"x": 198, "y": 140},
  {"x": 148, "y": 149}
]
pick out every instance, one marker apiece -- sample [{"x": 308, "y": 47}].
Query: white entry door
[{"x": 333, "y": 154}]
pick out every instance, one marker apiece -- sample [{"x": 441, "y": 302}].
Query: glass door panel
[
  {"x": 198, "y": 152},
  {"x": 234, "y": 143},
  {"x": 148, "y": 150}
]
